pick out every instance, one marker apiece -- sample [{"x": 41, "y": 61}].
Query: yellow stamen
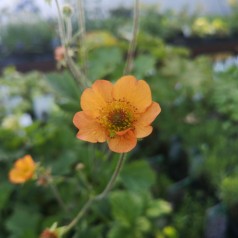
[{"x": 119, "y": 115}]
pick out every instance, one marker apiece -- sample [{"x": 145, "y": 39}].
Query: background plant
[{"x": 187, "y": 166}]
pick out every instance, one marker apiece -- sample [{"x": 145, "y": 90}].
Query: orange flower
[
  {"x": 59, "y": 53},
  {"x": 118, "y": 114},
  {"x": 23, "y": 170}
]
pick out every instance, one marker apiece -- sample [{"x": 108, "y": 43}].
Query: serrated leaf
[
  {"x": 103, "y": 61},
  {"x": 138, "y": 176},
  {"x": 64, "y": 85},
  {"x": 126, "y": 207}
]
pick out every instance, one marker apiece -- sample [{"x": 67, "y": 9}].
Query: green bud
[{"x": 67, "y": 10}]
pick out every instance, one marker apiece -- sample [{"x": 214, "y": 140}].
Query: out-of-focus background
[
  {"x": 181, "y": 181},
  {"x": 33, "y": 37}
]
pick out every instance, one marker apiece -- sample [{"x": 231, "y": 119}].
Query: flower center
[
  {"x": 117, "y": 116},
  {"x": 119, "y": 119}
]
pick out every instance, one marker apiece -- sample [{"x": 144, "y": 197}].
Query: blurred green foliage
[
  {"x": 32, "y": 37},
  {"x": 168, "y": 182},
  {"x": 229, "y": 191},
  {"x": 169, "y": 24}
]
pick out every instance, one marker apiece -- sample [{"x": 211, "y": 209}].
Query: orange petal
[
  {"x": 25, "y": 163},
  {"x": 137, "y": 92},
  {"x": 120, "y": 133},
  {"x": 96, "y": 97},
  {"x": 123, "y": 143},
  {"x": 89, "y": 129},
  {"x": 16, "y": 176},
  {"x": 142, "y": 125},
  {"x": 143, "y": 131}
]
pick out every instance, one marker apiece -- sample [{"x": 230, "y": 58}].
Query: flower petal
[
  {"x": 89, "y": 129},
  {"x": 142, "y": 125},
  {"x": 137, "y": 92},
  {"x": 23, "y": 170},
  {"x": 96, "y": 97},
  {"x": 16, "y": 176},
  {"x": 143, "y": 131},
  {"x": 25, "y": 163},
  {"x": 123, "y": 143}
]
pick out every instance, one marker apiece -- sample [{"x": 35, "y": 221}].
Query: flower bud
[
  {"x": 67, "y": 10},
  {"x": 48, "y": 234},
  {"x": 80, "y": 166},
  {"x": 53, "y": 232}
]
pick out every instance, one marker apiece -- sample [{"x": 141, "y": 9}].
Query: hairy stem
[
  {"x": 57, "y": 196},
  {"x": 132, "y": 46},
  {"x": 113, "y": 178},
  {"x": 101, "y": 196},
  {"x": 74, "y": 69},
  {"x": 81, "y": 23},
  {"x": 61, "y": 24}
]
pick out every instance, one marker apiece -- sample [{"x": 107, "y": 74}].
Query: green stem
[
  {"x": 76, "y": 72},
  {"x": 81, "y": 23},
  {"x": 57, "y": 195},
  {"x": 132, "y": 46},
  {"x": 68, "y": 29},
  {"x": 113, "y": 178},
  {"x": 101, "y": 196},
  {"x": 79, "y": 215},
  {"x": 61, "y": 24}
]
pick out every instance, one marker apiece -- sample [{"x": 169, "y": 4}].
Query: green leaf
[
  {"x": 87, "y": 231},
  {"x": 64, "y": 163},
  {"x": 64, "y": 85},
  {"x": 229, "y": 191},
  {"x": 5, "y": 191},
  {"x": 158, "y": 208},
  {"x": 143, "y": 224},
  {"x": 22, "y": 222},
  {"x": 144, "y": 65},
  {"x": 69, "y": 105},
  {"x": 138, "y": 176},
  {"x": 126, "y": 207},
  {"x": 118, "y": 231},
  {"x": 103, "y": 61}
]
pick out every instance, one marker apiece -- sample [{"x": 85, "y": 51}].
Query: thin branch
[
  {"x": 81, "y": 17},
  {"x": 132, "y": 46},
  {"x": 101, "y": 196},
  {"x": 57, "y": 195},
  {"x": 82, "y": 27},
  {"x": 69, "y": 29},
  {"x": 75, "y": 70},
  {"x": 113, "y": 178},
  {"x": 84, "y": 209},
  {"x": 61, "y": 24}
]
